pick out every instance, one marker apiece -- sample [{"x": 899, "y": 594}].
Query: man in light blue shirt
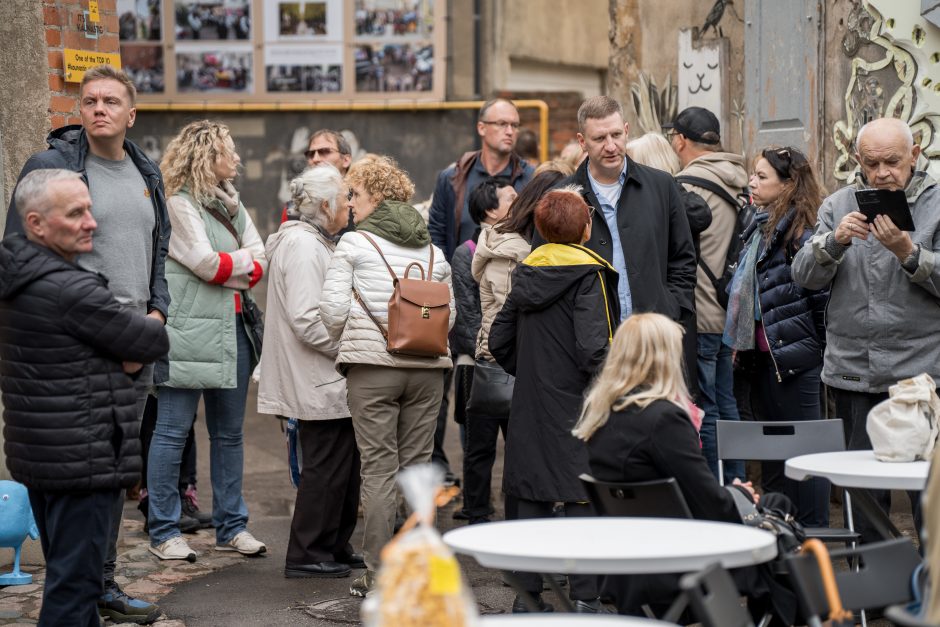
[{"x": 609, "y": 195}]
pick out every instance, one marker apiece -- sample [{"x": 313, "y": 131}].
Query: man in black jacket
[
  {"x": 131, "y": 246},
  {"x": 640, "y": 225},
  {"x": 69, "y": 350}
]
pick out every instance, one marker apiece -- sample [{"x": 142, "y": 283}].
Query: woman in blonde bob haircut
[
  {"x": 654, "y": 150},
  {"x": 644, "y": 365}
]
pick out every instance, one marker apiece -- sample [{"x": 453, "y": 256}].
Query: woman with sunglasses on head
[{"x": 780, "y": 321}]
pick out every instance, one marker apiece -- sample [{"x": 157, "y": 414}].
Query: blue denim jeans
[
  {"x": 225, "y": 417},
  {"x": 716, "y": 393}
]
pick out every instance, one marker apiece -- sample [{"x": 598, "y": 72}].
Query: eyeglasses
[
  {"x": 591, "y": 210},
  {"x": 670, "y": 134},
  {"x": 502, "y": 124},
  {"x": 323, "y": 152}
]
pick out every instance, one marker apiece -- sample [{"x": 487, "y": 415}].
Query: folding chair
[
  {"x": 714, "y": 598},
  {"x": 779, "y": 441},
  {"x": 660, "y": 498},
  {"x": 883, "y": 578}
]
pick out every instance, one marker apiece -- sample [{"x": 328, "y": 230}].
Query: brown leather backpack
[{"x": 418, "y": 311}]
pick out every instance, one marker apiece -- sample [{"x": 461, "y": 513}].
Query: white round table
[
  {"x": 569, "y": 620},
  {"x": 612, "y": 545},
  {"x": 859, "y": 469}
]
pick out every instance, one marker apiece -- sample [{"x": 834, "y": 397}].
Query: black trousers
[
  {"x": 853, "y": 408},
  {"x": 580, "y": 587},
  {"x": 438, "y": 456},
  {"x": 482, "y": 434},
  {"x": 328, "y": 496},
  {"x": 73, "y": 530},
  {"x": 795, "y": 398}
]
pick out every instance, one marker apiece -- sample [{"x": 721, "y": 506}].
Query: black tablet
[{"x": 892, "y": 203}]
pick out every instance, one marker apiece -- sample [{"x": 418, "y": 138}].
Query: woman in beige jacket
[{"x": 298, "y": 379}]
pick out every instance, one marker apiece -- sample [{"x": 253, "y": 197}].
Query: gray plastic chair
[
  {"x": 714, "y": 598},
  {"x": 771, "y": 441},
  {"x": 660, "y": 498}
]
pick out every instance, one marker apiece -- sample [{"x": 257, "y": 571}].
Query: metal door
[{"x": 783, "y": 75}]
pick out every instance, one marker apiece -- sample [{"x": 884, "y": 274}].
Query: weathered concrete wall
[
  {"x": 460, "y": 50},
  {"x": 24, "y": 98},
  {"x": 564, "y": 32},
  {"x": 644, "y": 37}
]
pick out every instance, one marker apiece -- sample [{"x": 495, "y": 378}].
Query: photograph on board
[
  {"x": 213, "y": 70},
  {"x": 213, "y": 19},
  {"x": 144, "y": 66},
  {"x": 303, "y": 20},
  {"x": 393, "y": 18},
  {"x": 394, "y": 67},
  {"x": 303, "y": 67},
  {"x": 139, "y": 20}
]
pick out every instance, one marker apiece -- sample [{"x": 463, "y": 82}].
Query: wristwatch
[{"x": 910, "y": 262}]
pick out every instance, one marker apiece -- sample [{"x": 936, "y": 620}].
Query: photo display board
[{"x": 283, "y": 50}]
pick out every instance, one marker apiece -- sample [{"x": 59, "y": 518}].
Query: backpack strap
[{"x": 711, "y": 186}]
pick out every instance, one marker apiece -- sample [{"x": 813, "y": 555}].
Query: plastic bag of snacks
[{"x": 419, "y": 582}]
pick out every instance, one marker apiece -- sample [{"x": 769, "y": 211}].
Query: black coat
[
  {"x": 552, "y": 334},
  {"x": 658, "y": 442},
  {"x": 655, "y": 237},
  {"x": 69, "y": 410},
  {"x": 793, "y": 317},
  {"x": 467, "y": 300}
]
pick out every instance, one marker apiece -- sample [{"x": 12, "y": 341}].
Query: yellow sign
[
  {"x": 93, "y": 15},
  {"x": 77, "y": 61}
]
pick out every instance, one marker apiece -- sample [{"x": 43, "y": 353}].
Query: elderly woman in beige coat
[{"x": 299, "y": 380}]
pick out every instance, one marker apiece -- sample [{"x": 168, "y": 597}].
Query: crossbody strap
[
  {"x": 215, "y": 213},
  {"x": 362, "y": 303}
]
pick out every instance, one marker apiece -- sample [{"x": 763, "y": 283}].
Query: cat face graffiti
[{"x": 699, "y": 73}]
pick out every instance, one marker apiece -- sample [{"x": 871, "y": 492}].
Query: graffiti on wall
[
  {"x": 895, "y": 72},
  {"x": 700, "y": 80}
]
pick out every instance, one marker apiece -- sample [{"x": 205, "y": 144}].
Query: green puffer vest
[{"x": 201, "y": 322}]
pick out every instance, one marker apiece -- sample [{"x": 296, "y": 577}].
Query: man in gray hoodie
[{"x": 883, "y": 318}]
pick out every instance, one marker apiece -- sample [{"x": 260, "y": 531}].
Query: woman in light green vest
[{"x": 215, "y": 257}]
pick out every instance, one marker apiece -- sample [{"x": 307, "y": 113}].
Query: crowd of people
[{"x": 605, "y": 312}]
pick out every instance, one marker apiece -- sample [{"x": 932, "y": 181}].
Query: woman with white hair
[{"x": 298, "y": 379}]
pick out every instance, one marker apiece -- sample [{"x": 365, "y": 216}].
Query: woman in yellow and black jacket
[{"x": 553, "y": 334}]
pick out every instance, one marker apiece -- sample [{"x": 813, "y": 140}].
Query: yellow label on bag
[{"x": 445, "y": 575}]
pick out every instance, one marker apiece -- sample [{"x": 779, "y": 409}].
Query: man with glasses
[
  {"x": 498, "y": 127},
  {"x": 449, "y": 218},
  {"x": 325, "y": 146},
  {"x": 718, "y": 177}
]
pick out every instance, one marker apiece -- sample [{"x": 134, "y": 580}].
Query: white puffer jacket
[{"x": 357, "y": 264}]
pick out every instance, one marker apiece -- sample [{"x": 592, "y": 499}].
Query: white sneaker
[
  {"x": 244, "y": 543},
  {"x": 175, "y": 548}
]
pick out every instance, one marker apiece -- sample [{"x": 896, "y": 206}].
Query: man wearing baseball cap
[{"x": 718, "y": 177}]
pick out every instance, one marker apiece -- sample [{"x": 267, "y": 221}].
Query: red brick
[
  {"x": 108, "y": 43},
  {"x": 75, "y": 40},
  {"x": 62, "y": 104},
  {"x": 58, "y": 121},
  {"x": 51, "y": 16},
  {"x": 109, "y": 23},
  {"x": 55, "y": 59},
  {"x": 56, "y": 83},
  {"x": 53, "y": 37},
  {"x": 74, "y": 119}
]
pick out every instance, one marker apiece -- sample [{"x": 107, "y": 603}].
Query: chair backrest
[
  {"x": 653, "y": 499},
  {"x": 714, "y": 598},
  {"x": 778, "y": 441},
  {"x": 883, "y": 577}
]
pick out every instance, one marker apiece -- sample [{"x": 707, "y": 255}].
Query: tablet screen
[{"x": 892, "y": 203}]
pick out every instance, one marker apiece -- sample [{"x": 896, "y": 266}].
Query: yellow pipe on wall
[{"x": 262, "y": 107}]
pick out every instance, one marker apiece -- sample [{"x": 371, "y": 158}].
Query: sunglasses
[{"x": 323, "y": 152}]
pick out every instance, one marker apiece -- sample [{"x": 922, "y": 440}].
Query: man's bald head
[{"x": 886, "y": 152}]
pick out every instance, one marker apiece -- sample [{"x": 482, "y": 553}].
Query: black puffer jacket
[
  {"x": 793, "y": 317},
  {"x": 552, "y": 333},
  {"x": 70, "y": 415},
  {"x": 467, "y": 300}
]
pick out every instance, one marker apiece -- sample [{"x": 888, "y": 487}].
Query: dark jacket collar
[{"x": 72, "y": 143}]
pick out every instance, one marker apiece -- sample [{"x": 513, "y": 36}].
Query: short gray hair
[
  {"x": 32, "y": 192},
  {"x": 900, "y": 125},
  {"x": 312, "y": 188}
]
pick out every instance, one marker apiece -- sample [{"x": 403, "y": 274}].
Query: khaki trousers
[{"x": 394, "y": 412}]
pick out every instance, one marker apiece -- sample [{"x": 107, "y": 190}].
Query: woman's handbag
[
  {"x": 491, "y": 391},
  {"x": 904, "y": 428},
  {"x": 838, "y": 615},
  {"x": 418, "y": 311}
]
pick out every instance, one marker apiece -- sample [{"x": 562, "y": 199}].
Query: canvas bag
[
  {"x": 904, "y": 428},
  {"x": 418, "y": 311}
]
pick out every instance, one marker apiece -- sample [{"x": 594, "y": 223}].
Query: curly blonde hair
[
  {"x": 382, "y": 179},
  {"x": 190, "y": 157}
]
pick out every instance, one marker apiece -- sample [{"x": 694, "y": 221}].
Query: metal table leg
[{"x": 876, "y": 516}]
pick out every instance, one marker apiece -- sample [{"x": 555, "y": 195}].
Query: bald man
[{"x": 883, "y": 319}]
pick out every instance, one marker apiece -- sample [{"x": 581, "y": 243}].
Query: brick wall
[
  {"x": 562, "y": 116},
  {"x": 64, "y": 20}
]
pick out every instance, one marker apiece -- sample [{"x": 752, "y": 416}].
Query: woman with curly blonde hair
[
  {"x": 393, "y": 398},
  {"x": 215, "y": 257}
]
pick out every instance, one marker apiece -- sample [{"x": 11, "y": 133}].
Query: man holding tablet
[{"x": 883, "y": 319}]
